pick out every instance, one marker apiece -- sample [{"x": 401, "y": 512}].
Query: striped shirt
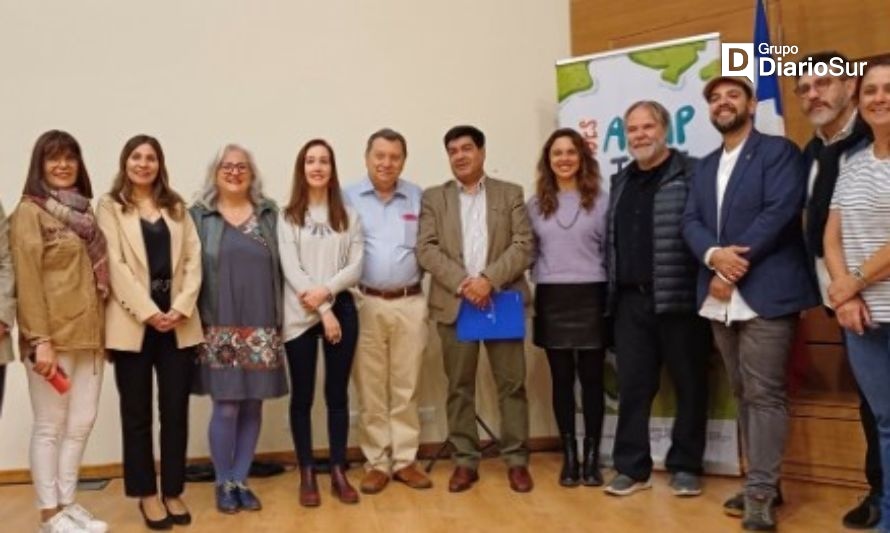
[{"x": 862, "y": 195}]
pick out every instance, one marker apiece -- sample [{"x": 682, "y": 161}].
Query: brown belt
[{"x": 410, "y": 290}]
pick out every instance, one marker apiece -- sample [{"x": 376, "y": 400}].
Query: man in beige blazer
[
  {"x": 7, "y": 301},
  {"x": 475, "y": 238}
]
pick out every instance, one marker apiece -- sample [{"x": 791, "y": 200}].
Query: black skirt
[{"x": 570, "y": 316}]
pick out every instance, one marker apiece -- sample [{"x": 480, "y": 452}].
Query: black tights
[{"x": 588, "y": 366}]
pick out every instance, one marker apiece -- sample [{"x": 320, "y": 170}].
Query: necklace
[{"x": 570, "y": 224}]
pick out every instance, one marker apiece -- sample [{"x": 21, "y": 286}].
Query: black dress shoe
[
  {"x": 178, "y": 519},
  {"x": 156, "y": 525},
  {"x": 866, "y": 515}
]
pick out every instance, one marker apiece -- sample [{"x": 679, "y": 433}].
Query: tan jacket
[
  {"x": 57, "y": 296},
  {"x": 7, "y": 290},
  {"x": 440, "y": 243},
  {"x": 130, "y": 304}
]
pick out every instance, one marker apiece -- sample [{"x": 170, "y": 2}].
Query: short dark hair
[
  {"x": 882, "y": 61},
  {"x": 55, "y": 143},
  {"x": 824, "y": 56},
  {"x": 465, "y": 131},
  {"x": 388, "y": 134}
]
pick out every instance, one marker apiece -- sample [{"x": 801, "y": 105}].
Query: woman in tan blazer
[
  {"x": 61, "y": 266},
  {"x": 7, "y": 301},
  {"x": 152, "y": 323}
]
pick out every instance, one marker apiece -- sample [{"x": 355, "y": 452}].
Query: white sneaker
[
  {"x": 84, "y": 518},
  {"x": 60, "y": 523}
]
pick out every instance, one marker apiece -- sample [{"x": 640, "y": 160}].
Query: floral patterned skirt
[{"x": 241, "y": 363}]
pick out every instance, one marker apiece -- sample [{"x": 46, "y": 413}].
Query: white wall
[{"x": 270, "y": 75}]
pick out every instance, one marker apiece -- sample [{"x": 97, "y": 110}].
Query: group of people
[{"x": 228, "y": 296}]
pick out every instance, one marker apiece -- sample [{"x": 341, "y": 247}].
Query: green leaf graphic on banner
[
  {"x": 711, "y": 70},
  {"x": 572, "y": 79},
  {"x": 673, "y": 61}
]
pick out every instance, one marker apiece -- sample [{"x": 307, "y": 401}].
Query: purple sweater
[{"x": 570, "y": 248}]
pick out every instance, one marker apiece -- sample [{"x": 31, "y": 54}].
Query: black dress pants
[
  {"x": 134, "y": 373},
  {"x": 644, "y": 341}
]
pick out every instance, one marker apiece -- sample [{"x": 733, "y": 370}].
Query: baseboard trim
[{"x": 115, "y": 470}]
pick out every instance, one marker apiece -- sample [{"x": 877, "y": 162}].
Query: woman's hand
[
  {"x": 854, "y": 315},
  {"x": 332, "y": 331},
  {"x": 158, "y": 321},
  {"x": 45, "y": 360},
  {"x": 843, "y": 289},
  {"x": 314, "y": 297}
]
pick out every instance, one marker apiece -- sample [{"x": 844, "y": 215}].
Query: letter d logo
[{"x": 737, "y": 59}]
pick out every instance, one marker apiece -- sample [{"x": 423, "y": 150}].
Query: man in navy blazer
[{"x": 743, "y": 222}]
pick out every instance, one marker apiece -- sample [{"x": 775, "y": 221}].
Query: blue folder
[{"x": 503, "y": 319}]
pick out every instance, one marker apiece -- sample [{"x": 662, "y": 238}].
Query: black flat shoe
[
  {"x": 156, "y": 525},
  {"x": 178, "y": 519}
]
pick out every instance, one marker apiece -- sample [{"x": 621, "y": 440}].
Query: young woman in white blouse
[{"x": 320, "y": 242}]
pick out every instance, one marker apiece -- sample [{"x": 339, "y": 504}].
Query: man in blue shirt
[{"x": 393, "y": 315}]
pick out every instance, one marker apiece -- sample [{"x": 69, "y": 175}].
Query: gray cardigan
[
  {"x": 210, "y": 223},
  {"x": 674, "y": 269},
  {"x": 7, "y": 290}
]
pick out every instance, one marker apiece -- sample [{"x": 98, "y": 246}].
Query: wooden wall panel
[{"x": 855, "y": 27}]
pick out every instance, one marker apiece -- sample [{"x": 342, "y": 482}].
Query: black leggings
[
  {"x": 302, "y": 358},
  {"x": 588, "y": 366}
]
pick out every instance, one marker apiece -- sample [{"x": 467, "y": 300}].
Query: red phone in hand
[{"x": 59, "y": 380}]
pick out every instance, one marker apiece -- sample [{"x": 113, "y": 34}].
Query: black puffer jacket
[{"x": 674, "y": 269}]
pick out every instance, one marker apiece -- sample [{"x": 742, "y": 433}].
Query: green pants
[{"x": 507, "y": 360}]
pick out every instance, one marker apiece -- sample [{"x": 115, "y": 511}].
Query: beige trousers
[{"x": 386, "y": 370}]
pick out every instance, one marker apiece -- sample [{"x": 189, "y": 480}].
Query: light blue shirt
[{"x": 390, "y": 227}]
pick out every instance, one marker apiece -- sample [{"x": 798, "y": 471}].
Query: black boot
[
  {"x": 570, "y": 474},
  {"x": 591, "y": 475}
]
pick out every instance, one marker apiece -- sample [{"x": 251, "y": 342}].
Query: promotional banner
[{"x": 594, "y": 91}]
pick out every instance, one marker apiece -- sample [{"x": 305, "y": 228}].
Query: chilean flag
[{"x": 768, "y": 118}]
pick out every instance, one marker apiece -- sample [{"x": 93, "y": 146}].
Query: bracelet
[{"x": 859, "y": 276}]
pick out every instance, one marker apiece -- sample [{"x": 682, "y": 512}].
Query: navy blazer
[{"x": 762, "y": 208}]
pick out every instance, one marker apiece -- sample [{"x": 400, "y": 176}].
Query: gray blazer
[{"x": 7, "y": 290}]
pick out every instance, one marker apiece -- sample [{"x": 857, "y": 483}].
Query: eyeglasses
[
  {"x": 234, "y": 168},
  {"x": 820, "y": 84}
]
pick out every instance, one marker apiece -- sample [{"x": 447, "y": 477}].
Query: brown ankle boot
[
  {"x": 309, "y": 496},
  {"x": 340, "y": 486}
]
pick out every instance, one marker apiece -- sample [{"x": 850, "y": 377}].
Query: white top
[
  {"x": 474, "y": 226},
  {"x": 314, "y": 255},
  {"x": 822, "y": 275},
  {"x": 862, "y": 195},
  {"x": 736, "y": 309}
]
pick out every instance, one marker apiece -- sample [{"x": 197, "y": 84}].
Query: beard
[
  {"x": 823, "y": 115},
  {"x": 645, "y": 154},
  {"x": 737, "y": 122}
]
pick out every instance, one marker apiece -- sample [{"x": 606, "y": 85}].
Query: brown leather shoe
[
  {"x": 309, "y": 496},
  {"x": 413, "y": 477},
  {"x": 520, "y": 479},
  {"x": 373, "y": 482},
  {"x": 462, "y": 479},
  {"x": 340, "y": 486}
]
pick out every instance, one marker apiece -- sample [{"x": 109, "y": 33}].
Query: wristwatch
[{"x": 859, "y": 276}]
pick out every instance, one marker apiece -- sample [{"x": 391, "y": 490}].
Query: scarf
[
  {"x": 826, "y": 177},
  {"x": 70, "y": 208}
]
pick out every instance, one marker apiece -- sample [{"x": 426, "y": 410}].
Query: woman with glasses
[
  {"x": 321, "y": 246},
  {"x": 151, "y": 323},
  {"x": 242, "y": 362},
  {"x": 61, "y": 264}
]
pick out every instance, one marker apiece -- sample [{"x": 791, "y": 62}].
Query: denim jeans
[{"x": 870, "y": 359}]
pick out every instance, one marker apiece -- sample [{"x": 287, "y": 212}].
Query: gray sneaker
[
  {"x": 759, "y": 513},
  {"x": 622, "y": 485},
  {"x": 685, "y": 484}
]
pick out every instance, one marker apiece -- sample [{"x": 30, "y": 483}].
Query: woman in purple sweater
[{"x": 568, "y": 214}]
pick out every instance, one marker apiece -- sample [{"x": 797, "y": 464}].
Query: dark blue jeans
[
  {"x": 870, "y": 359},
  {"x": 302, "y": 359}
]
